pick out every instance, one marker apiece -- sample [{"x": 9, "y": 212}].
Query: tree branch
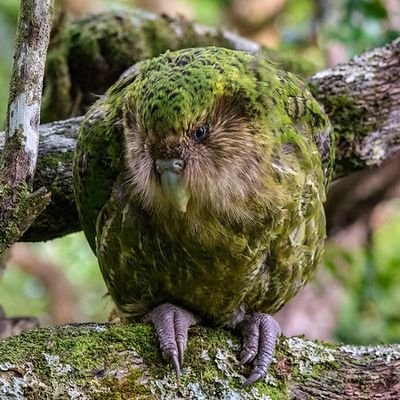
[
  {"x": 362, "y": 99},
  {"x": 123, "y": 361},
  {"x": 89, "y": 55},
  {"x": 19, "y": 207},
  {"x": 54, "y": 171},
  {"x": 53, "y": 278}
]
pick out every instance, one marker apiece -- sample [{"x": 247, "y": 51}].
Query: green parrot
[{"x": 200, "y": 178}]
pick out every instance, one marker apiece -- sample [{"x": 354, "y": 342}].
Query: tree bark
[
  {"x": 95, "y": 361},
  {"x": 54, "y": 171},
  {"x": 362, "y": 99},
  {"x": 18, "y": 205}
]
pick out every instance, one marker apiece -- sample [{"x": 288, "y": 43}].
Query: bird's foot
[
  {"x": 260, "y": 332},
  {"x": 172, "y": 324}
]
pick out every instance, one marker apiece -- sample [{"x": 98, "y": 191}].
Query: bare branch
[{"x": 59, "y": 288}]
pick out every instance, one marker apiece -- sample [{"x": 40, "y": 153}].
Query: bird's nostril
[
  {"x": 178, "y": 164},
  {"x": 173, "y": 164}
]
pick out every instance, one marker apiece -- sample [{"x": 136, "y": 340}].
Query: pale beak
[{"x": 172, "y": 183}]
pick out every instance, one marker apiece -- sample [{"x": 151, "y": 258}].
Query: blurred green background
[{"x": 365, "y": 270}]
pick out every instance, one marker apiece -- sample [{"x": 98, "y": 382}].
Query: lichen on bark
[
  {"x": 362, "y": 99},
  {"x": 18, "y": 205},
  {"x": 94, "y": 361}
]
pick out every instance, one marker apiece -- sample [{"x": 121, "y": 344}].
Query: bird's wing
[{"x": 99, "y": 155}]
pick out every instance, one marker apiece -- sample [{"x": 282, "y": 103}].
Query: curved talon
[
  {"x": 260, "y": 332},
  {"x": 246, "y": 357},
  {"x": 181, "y": 350},
  {"x": 172, "y": 324},
  {"x": 253, "y": 378},
  {"x": 176, "y": 364}
]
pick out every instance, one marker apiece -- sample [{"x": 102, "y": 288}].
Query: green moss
[
  {"x": 20, "y": 208},
  {"x": 13, "y": 201},
  {"x": 51, "y": 162},
  {"x": 344, "y": 110},
  {"x": 123, "y": 361},
  {"x": 56, "y": 101}
]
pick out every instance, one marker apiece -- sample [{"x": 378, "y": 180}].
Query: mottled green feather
[
  {"x": 254, "y": 229},
  {"x": 98, "y": 161}
]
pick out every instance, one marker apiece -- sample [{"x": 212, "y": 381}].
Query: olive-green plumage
[{"x": 239, "y": 225}]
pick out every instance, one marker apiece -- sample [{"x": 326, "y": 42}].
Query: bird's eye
[{"x": 200, "y": 133}]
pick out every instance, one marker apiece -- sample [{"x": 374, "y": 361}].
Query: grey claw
[
  {"x": 172, "y": 324},
  {"x": 260, "y": 332},
  {"x": 253, "y": 378},
  {"x": 246, "y": 357},
  {"x": 175, "y": 363},
  {"x": 181, "y": 351}
]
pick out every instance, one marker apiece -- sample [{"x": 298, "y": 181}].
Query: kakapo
[{"x": 200, "y": 178}]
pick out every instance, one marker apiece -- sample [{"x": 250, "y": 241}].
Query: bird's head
[{"x": 196, "y": 137}]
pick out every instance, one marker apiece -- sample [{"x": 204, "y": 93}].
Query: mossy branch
[
  {"x": 362, "y": 99},
  {"x": 123, "y": 362}
]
